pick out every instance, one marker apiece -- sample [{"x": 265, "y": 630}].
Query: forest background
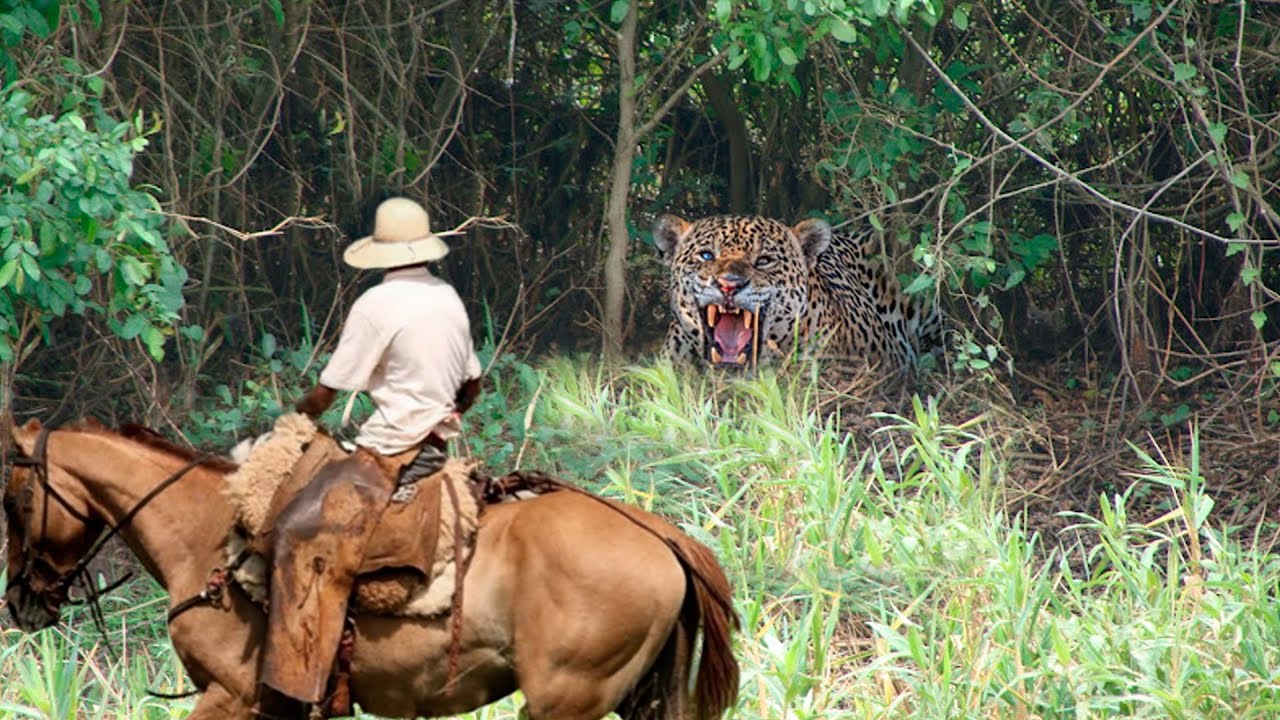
[
  {"x": 1092, "y": 184},
  {"x": 1088, "y": 188}
]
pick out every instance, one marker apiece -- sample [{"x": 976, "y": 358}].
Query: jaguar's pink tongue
[{"x": 732, "y": 335}]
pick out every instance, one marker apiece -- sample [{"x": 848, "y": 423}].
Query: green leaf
[
  {"x": 1249, "y": 274},
  {"x": 154, "y": 340},
  {"x": 1183, "y": 72},
  {"x": 7, "y": 271},
  {"x": 277, "y": 10},
  {"x": 1218, "y": 132},
  {"x": 1016, "y": 275},
  {"x": 48, "y": 237},
  {"x": 618, "y": 11},
  {"x": 25, "y": 178},
  {"x": 30, "y": 267},
  {"x": 1240, "y": 179},
  {"x": 135, "y": 273},
  {"x": 1235, "y": 247},
  {"x": 130, "y": 328},
  {"x": 1234, "y": 221},
  {"x": 920, "y": 282},
  {"x": 843, "y": 31},
  {"x": 787, "y": 56},
  {"x": 12, "y": 27},
  {"x": 724, "y": 8},
  {"x": 960, "y": 17},
  {"x": 1258, "y": 318},
  {"x": 1182, "y": 412}
]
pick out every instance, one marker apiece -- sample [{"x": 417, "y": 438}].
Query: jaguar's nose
[{"x": 732, "y": 282}]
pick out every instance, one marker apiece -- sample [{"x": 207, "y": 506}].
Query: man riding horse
[{"x": 407, "y": 341}]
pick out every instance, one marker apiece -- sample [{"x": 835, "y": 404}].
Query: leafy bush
[{"x": 75, "y": 236}]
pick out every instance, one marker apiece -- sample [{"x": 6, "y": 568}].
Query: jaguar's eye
[
  {"x": 765, "y": 261},
  {"x": 707, "y": 255}
]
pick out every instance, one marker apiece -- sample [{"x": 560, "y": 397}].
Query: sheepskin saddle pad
[{"x": 409, "y": 567}]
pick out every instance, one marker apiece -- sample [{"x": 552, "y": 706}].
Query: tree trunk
[
  {"x": 615, "y": 212},
  {"x": 735, "y": 128}
]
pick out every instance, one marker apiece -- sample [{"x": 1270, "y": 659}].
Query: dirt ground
[{"x": 1067, "y": 440}]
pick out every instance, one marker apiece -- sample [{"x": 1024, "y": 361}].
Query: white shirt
[{"x": 408, "y": 342}]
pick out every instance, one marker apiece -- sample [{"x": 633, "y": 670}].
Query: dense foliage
[{"x": 1084, "y": 182}]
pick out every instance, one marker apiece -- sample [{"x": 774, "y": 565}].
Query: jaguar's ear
[
  {"x": 815, "y": 238},
  {"x": 667, "y": 232}
]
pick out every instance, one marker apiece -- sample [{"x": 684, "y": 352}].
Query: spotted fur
[{"x": 809, "y": 283}]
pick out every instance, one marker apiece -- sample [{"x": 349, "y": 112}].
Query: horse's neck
[{"x": 179, "y": 532}]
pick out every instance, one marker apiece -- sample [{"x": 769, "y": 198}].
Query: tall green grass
[{"x": 875, "y": 580}]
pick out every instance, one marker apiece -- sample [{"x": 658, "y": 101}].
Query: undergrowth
[{"x": 881, "y": 579}]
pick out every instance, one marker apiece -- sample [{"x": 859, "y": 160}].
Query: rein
[{"x": 38, "y": 462}]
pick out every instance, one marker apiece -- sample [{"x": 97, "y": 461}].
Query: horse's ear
[{"x": 25, "y": 435}]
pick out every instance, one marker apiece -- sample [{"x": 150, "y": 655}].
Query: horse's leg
[
  {"x": 590, "y": 620},
  {"x": 559, "y": 689},
  {"x": 217, "y": 703},
  {"x": 663, "y": 694}
]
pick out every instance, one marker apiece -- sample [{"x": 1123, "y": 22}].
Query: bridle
[{"x": 38, "y": 463}]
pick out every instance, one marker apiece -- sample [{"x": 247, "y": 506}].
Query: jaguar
[{"x": 746, "y": 288}]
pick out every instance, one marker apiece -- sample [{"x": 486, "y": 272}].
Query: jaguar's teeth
[
  {"x": 741, "y": 359},
  {"x": 747, "y": 317},
  {"x": 712, "y": 312},
  {"x": 716, "y": 356}
]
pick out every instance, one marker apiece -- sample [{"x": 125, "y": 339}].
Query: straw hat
[{"x": 401, "y": 236}]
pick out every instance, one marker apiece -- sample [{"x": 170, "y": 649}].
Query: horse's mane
[{"x": 150, "y": 438}]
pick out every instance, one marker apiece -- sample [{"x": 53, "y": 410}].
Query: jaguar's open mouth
[{"x": 733, "y": 336}]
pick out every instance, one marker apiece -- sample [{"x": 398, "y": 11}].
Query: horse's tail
[{"x": 711, "y": 607}]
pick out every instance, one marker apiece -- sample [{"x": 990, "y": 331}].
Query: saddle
[
  {"x": 353, "y": 540},
  {"x": 410, "y": 563}
]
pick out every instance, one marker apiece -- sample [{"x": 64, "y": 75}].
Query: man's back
[{"x": 408, "y": 342}]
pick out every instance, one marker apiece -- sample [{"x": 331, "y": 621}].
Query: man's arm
[
  {"x": 316, "y": 401},
  {"x": 467, "y": 395}
]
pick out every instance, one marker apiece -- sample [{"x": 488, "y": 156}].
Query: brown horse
[{"x": 588, "y": 609}]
